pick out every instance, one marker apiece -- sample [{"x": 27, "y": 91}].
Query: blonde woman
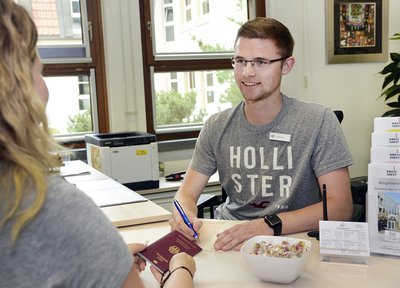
[{"x": 51, "y": 234}]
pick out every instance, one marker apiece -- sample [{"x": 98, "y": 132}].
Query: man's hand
[
  {"x": 177, "y": 223},
  {"x": 187, "y": 195},
  {"x": 234, "y": 237}
]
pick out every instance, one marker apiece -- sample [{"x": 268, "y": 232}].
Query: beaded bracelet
[{"x": 168, "y": 273}]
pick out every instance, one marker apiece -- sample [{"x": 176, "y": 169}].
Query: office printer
[{"x": 131, "y": 158}]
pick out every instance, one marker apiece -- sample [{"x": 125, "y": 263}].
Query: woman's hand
[
  {"x": 178, "y": 260},
  {"x": 135, "y": 248},
  {"x": 183, "y": 259}
]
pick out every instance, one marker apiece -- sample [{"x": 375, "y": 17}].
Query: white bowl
[{"x": 271, "y": 268}]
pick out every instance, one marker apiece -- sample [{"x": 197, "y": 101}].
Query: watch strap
[{"x": 275, "y": 223}]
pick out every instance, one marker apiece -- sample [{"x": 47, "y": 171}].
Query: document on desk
[
  {"x": 71, "y": 170},
  {"x": 108, "y": 192},
  {"x": 77, "y": 171},
  {"x": 344, "y": 238}
]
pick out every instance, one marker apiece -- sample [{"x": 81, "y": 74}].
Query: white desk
[
  {"x": 216, "y": 269},
  {"x": 120, "y": 215}
]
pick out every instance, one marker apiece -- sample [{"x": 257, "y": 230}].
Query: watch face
[{"x": 273, "y": 219}]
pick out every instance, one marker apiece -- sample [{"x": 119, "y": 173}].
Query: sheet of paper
[
  {"x": 77, "y": 171},
  {"x": 210, "y": 229},
  {"x": 108, "y": 192},
  {"x": 344, "y": 238},
  {"x": 70, "y": 170}
]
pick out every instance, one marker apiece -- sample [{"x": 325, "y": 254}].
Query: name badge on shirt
[{"x": 279, "y": 137}]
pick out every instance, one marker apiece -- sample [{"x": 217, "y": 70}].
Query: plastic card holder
[{"x": 344, "y": 242}]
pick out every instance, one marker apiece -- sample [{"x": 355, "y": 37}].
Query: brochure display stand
[{"x": 383, "y": 203}]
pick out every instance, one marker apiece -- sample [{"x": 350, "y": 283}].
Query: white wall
[{"x": 353, "y": 88}]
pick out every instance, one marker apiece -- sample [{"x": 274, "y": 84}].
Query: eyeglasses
[{"x": 257, "y": 64}]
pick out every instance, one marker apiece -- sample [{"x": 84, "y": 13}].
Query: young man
[{"x": 273, "y": 153}]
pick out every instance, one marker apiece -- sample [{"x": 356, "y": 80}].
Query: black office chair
[
  {"x": 210, "y": 201},
  {"x": 207, "y": 201},
  {"x": 339, "y": 114},
  {"x": 359, "y": 187}
]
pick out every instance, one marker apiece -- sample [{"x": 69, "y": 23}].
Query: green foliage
[
  {"x": 54, "y": 131},
  {"x": 210, "y": 48},
  {"x": 173, "y": 108},
  {"x": 225, "y": 76},
  {"x": 207, "y": 47},
  {"x": 82, "y": 122},
  {"x": 198, "y": 118},
  {"x": 232, "y": 93},
  {"x": 391, "y": 85},
  {"x": 396, "y": 36}
]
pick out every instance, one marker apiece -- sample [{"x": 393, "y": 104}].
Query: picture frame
[{"x": 357, "y": 31}]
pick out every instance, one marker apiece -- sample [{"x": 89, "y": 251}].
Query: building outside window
[
  {"x": 66, "y": 44},
  {"x": 199, "y": 54}
]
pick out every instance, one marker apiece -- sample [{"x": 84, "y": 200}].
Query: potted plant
[{"x": 391, "y": 84}]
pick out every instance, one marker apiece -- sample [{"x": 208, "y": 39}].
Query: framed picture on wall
[{"x": 357, "y": 31}]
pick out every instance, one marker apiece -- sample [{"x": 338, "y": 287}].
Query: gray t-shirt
[
  {"x": 271, "y": 168},
  {"x": 70, "y": 244}
]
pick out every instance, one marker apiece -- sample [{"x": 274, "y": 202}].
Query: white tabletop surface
[
  {"x": 218, "y": 269},
  {"x": 121, "y": 205}
]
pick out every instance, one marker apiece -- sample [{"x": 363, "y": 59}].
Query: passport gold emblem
[{"x": 174, "y": 249}]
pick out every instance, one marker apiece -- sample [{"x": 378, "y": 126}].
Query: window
[
  {"x": 188, "y": 15},
  {"x": 84, "y": 86},
  {"x": 188, "y": 11},
  {"x": 210, "y": 84},
  {"x": 169, "y": 21},
  {"x": 169, "y": 14},
  {"x": 84, "y": 98},
  {"x": 192, "y": 81},
  {"x": 174, "y": 81},
  {"x": 70, "y": 45},
  {"x": 194, "y": 41},
  {"x": 210, "y": 96},
  {"x": 69, "y": 109},
  {"x": 210, "y": 80},
  {"x": 206, "y": 6},
  {"x": 76, "y": 16},
  {"x": 169, "y": 33}
]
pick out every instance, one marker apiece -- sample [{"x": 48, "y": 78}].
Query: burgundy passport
[{"x": 160, "y": 252}]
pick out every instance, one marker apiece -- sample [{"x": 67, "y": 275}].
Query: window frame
[
  {"x": 97, "y": 64},
  {"x": 152, "y": 65}
]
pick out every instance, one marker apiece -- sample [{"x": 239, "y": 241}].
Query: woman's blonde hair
[{"x": 25, "y": 141}]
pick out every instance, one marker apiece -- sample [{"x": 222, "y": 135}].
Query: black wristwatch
[{"x": 275, "y": 223}]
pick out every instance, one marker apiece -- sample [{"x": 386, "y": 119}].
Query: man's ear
[{"x": 288, "y": 65}]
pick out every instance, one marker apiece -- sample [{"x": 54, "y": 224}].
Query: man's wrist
[
  {"x": 275, "y": 223},
  {"x": 266, "y": 230}
]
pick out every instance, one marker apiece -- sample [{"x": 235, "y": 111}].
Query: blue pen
[{"x": 185, "y": 218}]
